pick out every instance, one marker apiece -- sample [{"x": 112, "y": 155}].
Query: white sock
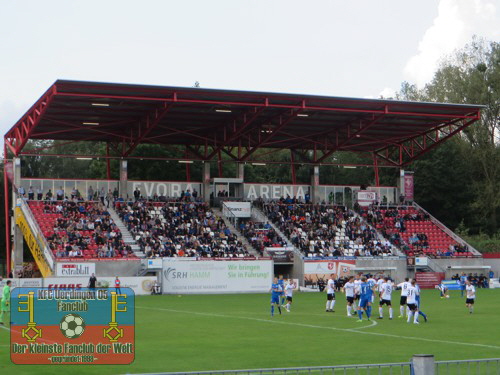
[
  {"x": 381, "y": 312},
  {"x": 390, "y": 312},
  {"x": 288, "y": 306},
  {"x": 328, "y": 305},
  {"x": 407, "y": 310},
  {"x": 355, "y": 305},
  {"x": 401, "y": 310},
  {"x": 349, "y": 309},
  {"x": 332, "y": 304},
  {"x": 415, "y": 319},
  {"x": 409, "y": 317}
]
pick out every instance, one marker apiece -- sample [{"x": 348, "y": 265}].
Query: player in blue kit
[
  {"x": 281, "y": 281},
  {"x": 417, "y": 298},
  {"x": 276, "y": 290},
  {"x": 463, "y": 280},
  {"x": 365, "y": 299}
]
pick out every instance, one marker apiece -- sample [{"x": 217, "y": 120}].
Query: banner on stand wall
[
  {"x": 205, "y": 276},
  {"x": 315, "y": 270}
]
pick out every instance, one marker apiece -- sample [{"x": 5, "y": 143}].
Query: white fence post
[{"x": 423, "y": 364}]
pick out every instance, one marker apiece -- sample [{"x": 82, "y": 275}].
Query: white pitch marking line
[
  {"x": 373, "y": 324},
  {"x": 353, "y": 330}
]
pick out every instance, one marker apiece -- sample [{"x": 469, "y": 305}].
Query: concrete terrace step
[
  {"x": 231, "y": 227},
  {"x": 126, "y": 235},
  {"x": 259, "y": 216}
]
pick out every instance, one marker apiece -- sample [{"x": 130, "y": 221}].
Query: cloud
[
  {"x": 387, "y": 93},
  {"x": 457, "y": 21}
]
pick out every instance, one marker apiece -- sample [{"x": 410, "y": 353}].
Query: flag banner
[{"x": 80, "y": 326}]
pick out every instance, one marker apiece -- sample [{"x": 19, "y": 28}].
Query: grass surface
[{"x": 210, "y": 332}]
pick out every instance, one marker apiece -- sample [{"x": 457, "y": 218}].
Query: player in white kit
[
  {"x": 404, "y": 294},
  {"x": 349, "y": 294},
  {"x": 330, "y": 293},
  {"x": 385, "y": 293},
  {"x": 289, "y": 287},
  {"x": 380, "y": 281},
  {"x": 411, "y": 301},
  {"x": 470, "y": 290}
]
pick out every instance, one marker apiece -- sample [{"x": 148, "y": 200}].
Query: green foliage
[{"x": 461, "y": 179}]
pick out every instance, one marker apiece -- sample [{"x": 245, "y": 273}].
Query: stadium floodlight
[
  {"x": 258, "y": 163},
  {"x": 350, "y": 166},
  {"x": 100, "y": 104},
  {"x": 302, "y": 115},
  {"x": 186, "y": 161},
  {"x": 83, "y": 158},
  {"x": 90, "y": 123},
  {"x": 223, "y": 110}
]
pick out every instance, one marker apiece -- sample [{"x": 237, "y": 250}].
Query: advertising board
[{"x": 235, "y": 276}]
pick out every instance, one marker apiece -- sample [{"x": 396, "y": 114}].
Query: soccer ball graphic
[{"x": 72, "y": 326}]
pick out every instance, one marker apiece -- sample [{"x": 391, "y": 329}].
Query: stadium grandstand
[
  {"x": 119, "y": 224},
  {"x": 213, "y": 230}
]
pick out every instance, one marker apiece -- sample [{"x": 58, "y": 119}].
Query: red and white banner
[
  {"x": 408, "y": 181},
  {"x": 365, "y": 197},
  {"x": 427, "y": 280},
  {"x": 75, "y": 269},
  {"x": 315, "y": 270}
]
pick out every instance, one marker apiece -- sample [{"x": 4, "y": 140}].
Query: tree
[{"x": 472, "y": 75}]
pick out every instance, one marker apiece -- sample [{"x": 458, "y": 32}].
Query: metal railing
[
  {"x": 490, "y": 366},
  {"x": 374, "y": 369},
  {"x": 230, "y": 216},
  {"x": 419, "y": 365}
]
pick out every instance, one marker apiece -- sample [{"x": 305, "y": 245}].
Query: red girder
[
  {"x": 441, "y": 140},
  {"x": 23, "y": 129},
  {"x": 267, "y": 103},
  {"x": 101, "y": 129},
  {"x": 149, "y": 122},
  {"x": 350, "y": 137},
  {"x": 238, "y": 131},
  {"x": 282, "y": 124}
]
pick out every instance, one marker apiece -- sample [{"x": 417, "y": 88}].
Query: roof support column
[
  {"x": 7, "y": 210},
  {"x": 205, "y": 180},
  {"x": 401, "y": 197},
  {"x": 123, "y": 179},
  {"x": 314, "y": 192},
  {"x": 18, "y": 250},
  {"x": 240, "y": 173}
]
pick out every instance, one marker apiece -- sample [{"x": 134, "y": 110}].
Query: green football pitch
[{"x": 218, "y": 332}]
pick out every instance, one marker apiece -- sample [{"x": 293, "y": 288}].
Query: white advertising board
[
  {"x": 23, "y": 283},
  {"x": 217, "y": 277},
  {"x": 365, "y": 197},
  {"x": 155, "y": 263},
  {"x": 340, "y": 267},
  {"x": 421, "y": 261},
  {"x": 75, "y": 269},
  {"x": 140, "y": 285},
  {"x": 238, "y": 209}
]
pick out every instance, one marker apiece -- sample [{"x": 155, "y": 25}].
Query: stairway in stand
[
  {"x": 241, "y": 237},
  {"x": 126, "y": 235}
]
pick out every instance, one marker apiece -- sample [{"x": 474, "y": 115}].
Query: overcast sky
[{"x": 361, "y": 48}]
